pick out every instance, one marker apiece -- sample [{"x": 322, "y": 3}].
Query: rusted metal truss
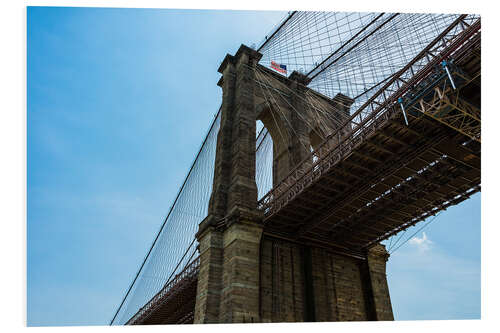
[
  {"x": 453, "y": 200},
  {"x": 446, "y": 105},
  {"x": 437, "y": 104}
]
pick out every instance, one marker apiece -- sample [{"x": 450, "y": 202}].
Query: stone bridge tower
[{"x": 247, "y": 274}]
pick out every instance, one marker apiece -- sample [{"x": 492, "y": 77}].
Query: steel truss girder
[
  {"x": 297, "y": 182},
  {"x": 447, "y": 107},
  {"x": 305, "y": 173},
  {"x": 447, "y": 202},
  {"x": 414, "y": 189},
  {"x": 383, "y": 172}
]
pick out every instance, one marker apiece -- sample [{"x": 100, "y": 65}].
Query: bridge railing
[
  {"x": 382, "y": 106},
  {"x": 171, "y": 287}
]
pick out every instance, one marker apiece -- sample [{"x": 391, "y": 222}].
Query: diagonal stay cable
[
  {"x": 270, "y": 105},
  {"x": 305, "y": 120},
  {"x": 416, "y": 232},
  {"x": 263, "y": 76}
]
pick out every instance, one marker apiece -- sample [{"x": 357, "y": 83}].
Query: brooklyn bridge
[{"x": 371, "y": 125}]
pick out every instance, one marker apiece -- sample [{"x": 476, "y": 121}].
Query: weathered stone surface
[
  {"x": 340, "y": 289},
  {"x": 282, "y": 282},
  {"x": 228, "y": 285},
  {"x": 377, "y": 258},
  {"x": 240, "y": 292},
  {"x": 247, "y": 277},
  {"x": 209, "y": 277}
]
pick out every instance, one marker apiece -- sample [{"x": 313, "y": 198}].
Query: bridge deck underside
[
  {"x": 394, "y": 177},
  {"x": 385, "y": 183}
]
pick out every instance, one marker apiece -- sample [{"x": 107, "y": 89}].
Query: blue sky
[
  {"x": 119, "y": 101},
  {"x": 438, "y": 275}
]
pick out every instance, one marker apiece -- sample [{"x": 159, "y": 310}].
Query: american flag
[{"x": 278, "y": 67}]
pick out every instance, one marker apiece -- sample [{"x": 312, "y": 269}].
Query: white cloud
[
  {"x": 435, "y": 284},
  {"x": 423, "y": 244}
]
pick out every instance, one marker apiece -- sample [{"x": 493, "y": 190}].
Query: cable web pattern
[
  {"x": 175, "y": 245},
  {"x": 349, "y": 53},
  {"x": 264, "y": 163},
  {"x": 307, "y": 38}
]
